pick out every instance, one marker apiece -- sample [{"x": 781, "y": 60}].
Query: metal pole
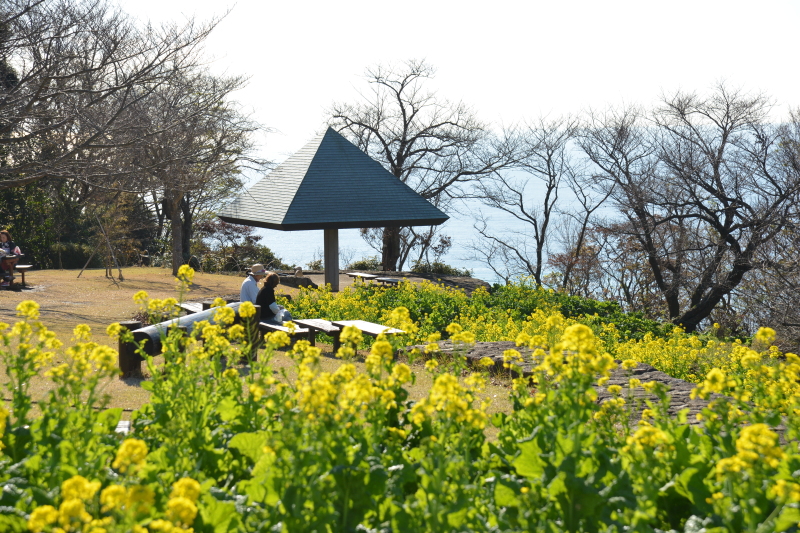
[{"x": 332, "y": 258}]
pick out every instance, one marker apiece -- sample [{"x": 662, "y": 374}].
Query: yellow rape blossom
[
  {"x": 28, "y": 309},
  {"x": 401, "y": 372},
  {"x": 759, "y": 443},
  {"x": 72, "y": 510},
  {"x": 4, "y": 413},
  {"x": 113, "y": 497},
  {"x": 79, "y": 487},
  {"x": 646, "y": 438},
  {"x": 181, "y": 510},
  {"x": 41, "y": 517},
  {"x": 785, "y": 491},
  {"x": 765, "y": 335},
  {"x": 162, "y": 525},
  {"x": 186, "y": 488},
  {"x": 224, "y": 315},
  {"x": 132, "y": 452},
  {"x": 185, "y": 274},
  {"x": 247, "y": 310},
  {"x": 82, "y": 333},
  {"x": 114, "y": 330},
  {"x": 256, "y": 392},
  {"x": 350, "y": 335}
]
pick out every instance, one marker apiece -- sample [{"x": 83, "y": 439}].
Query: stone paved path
[{"x": 680, "y": 390}]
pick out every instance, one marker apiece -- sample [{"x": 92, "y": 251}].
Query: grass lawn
[{"x": 67, "y": 300}]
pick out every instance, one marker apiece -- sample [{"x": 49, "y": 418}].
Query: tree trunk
[
  {"x": 391, "y": 249},
  {"x": 171, "y": 205},
  {"x": 186, "y": 241}
]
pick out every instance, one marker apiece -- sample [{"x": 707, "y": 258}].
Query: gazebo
[{"x": 330, "y": 184}]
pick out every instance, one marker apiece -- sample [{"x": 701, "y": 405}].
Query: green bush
[
  {"x": 437, "y": 267},
  {"x": 366, "y": 263}
]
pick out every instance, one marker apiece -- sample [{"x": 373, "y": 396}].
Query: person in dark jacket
[
  {"x": 7, "y": 248},
  {"x": 270, "y": 310}
]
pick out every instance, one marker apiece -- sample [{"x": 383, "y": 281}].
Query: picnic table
[
  {"x": 361, "y": 275},
  {"x": 334, "y": 329},
  {"x": 367, "y": 328},
  {"x": 317, "y": 324},
  {"x": 388, "y": 281}
]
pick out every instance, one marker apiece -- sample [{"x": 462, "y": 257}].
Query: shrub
[
  {"x": 366, "y": 263},
  {"x": 437, "y": 267}
]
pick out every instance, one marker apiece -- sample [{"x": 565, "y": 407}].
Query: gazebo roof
[{"x": 330, "y": 184}]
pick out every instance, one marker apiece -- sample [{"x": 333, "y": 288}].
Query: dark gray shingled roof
[{"x": 330, "y": 183}]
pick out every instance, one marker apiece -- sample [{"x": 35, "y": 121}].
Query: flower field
[{"x": 243, "y": 448}]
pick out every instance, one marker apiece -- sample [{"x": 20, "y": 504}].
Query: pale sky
[{"x": 508, "y": 60}]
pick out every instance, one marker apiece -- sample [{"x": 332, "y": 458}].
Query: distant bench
[
  {"x": 310, "y": 326},
  {"x": 22, "y": 269}
]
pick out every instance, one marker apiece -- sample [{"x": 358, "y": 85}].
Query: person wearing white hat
[{"x": 249, "y": 291}]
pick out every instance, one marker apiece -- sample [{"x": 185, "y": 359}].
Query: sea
[{"x": 301, "y": 247}]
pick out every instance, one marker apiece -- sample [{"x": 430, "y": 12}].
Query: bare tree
[
  {"x": 74, "y": 69},
  {"x": 703, "y": 184},
  {"x": 197, "y": 144},
  {"x": 433, "y": 145},
  {"x": 531, "y": 193}
]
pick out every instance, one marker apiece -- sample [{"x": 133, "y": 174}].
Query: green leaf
[
  {"x": 108, "y": 419},
  {"x": 457, "y": 518},
  {"x": 251, "y": 445},
  {"x": 222, "y": 516},
  {"x": 12, "y": 524},
  {"x": 499, "y": 419},
  {"x": 505, "y": 495},
  {"x": 147, "y": 385},
  {"x": 690, "y": 485},
  {"x": 789, "y": 517},
  {"x": 529, "y": 462},
  {"x": 229, "y": 409}
]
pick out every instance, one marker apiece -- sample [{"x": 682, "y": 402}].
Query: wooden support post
[
  {"x": 332, "y": 258},
  {"x": 130, "y": 363}
]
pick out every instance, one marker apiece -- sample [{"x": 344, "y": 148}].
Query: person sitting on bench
[
  {"x": 7, "y": 247},
  {"x": 249, "y": 291},
  {"x": 270, "y": 310}
]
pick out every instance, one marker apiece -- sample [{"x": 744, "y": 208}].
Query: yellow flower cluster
[
  {"x": 71, "y": 514},
  {"x": 756, "y": 445},
  {"x": 646, "y": 439},
  {"x": 3, "y": 417},
  {"x": 452, "y": 400},
  {"x": 785, "y": 491},
  {"x": 576, "y": 353},
  {"x": 185, "y": 275},
  {"x": 132, "y": 452}
]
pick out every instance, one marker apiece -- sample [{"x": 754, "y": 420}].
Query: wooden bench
[
  {"x": 367, "y": 328},
  {"x": 317, "y": 324},
  {"x": 267, "y": 327},
  {"x": 388, "y": 281},
  {"x": 192, "y": 307},
  {"x": 361, "y": 276},
  {"x": 22, "y": 269}
]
